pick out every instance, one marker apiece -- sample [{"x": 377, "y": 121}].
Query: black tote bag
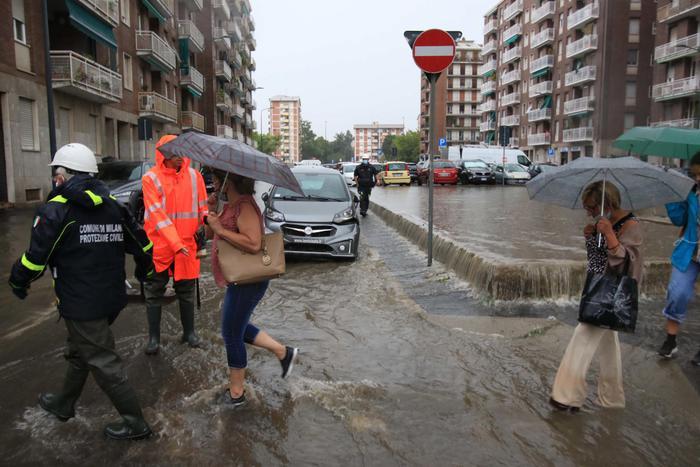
[{"x": 610, "y": 300}]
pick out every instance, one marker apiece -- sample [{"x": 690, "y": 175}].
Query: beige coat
[{"x": 630, "y": 238}]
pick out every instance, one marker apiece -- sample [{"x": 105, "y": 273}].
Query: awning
[
  {"x": 153, "y": 11},
  {"x": 489, "y": 73},
  {"x": 194, "y": 92},
  {"x": 513, "y": 39},
  {"x": 184, "y": 52},
  {"x": 538, "y": 73},
  {"x": 90, "y": 24},
  {"x": 547, "y": 102}
]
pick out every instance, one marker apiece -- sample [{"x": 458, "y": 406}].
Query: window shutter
[{"x": 26, "y": 116}]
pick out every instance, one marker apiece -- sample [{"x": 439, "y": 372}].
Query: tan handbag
[{"x": 240, "y": 267}]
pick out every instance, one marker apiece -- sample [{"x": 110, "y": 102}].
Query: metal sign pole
[{"x": 432, "y": 79}]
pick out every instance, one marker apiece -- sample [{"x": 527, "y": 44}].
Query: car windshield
[
  {"x": 396, "y": 167},
  {"x": 475, "y": 165},
  {"x": 317, "y": 186},
  {"x": 119, "y": 171},
  {"x": 515, "y": 168},
  {"x": 349, "y": 168},
  {"x": 379, "y": 167},
  {"x": 443, "y": 165}
]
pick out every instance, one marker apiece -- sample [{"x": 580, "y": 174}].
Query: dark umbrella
[{"x": 232, "y": 156}]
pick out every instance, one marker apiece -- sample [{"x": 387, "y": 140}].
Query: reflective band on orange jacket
[{"x": 175, "y": 204}]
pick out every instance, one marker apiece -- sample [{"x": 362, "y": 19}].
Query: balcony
[
  {"x": 544, "y": 87},
  {"x": 677, "y": 9},
  {"x": 511, "y": 76},
  {"x": 253, "y": 65},
  {"x": 511, "y": 54},
  {"x": 545, "y": 61},
  {"x": 157, "y": 107},
  {"x": 578, "y": 106},
  {"x": 107, "y": 10},
  {"x": 152, "y": 48},
  {"x": 582, "y": 16},
  {"x": 512, "y": 32},
  {"x": 693, "y": 122},
  {"x": 75, "y": 74},
  {"x": 221, "y": 38},
  {"x": 191, "y": 78},
  {"x": 488, "y": 67},
  {"x": 487, "y": 126},
  {"x": 513, "y": 142},
  {"x": 490, "y": 26},
  {"x": 582, "y": 46},
  {"x": 510, "y": 99},
  {"x": 238, "y": 112},
  {"x": 546, "y": 10},
  {"x": 489, "y": 47},
  {"x": 234, "y": 59},
  {"x": 192, "y": 121},
  {"x": 187, "y": 30},
  {"x": 543, "y": 37},
  {"x": 539, "y": 115},
  {"x": 677, "y": 88},
  {"x": 583, "y": 75},
  {"x": 223, "y": 70},
  {"x": 221, "y": 8},
  {"x": 488, "y": 106},
  {"x": 510, "y": 120},
  {"x": 683, "y": 47},
  {"x": 233, "y": 30},
  {"x": 194, "y": 5},
  {"x": 488, "y": 87},
  {"x": 224, "y": 131},
  {"x": 512, "y": 10},
  {"x": 252, "y": 44},
  {"x": 538, "y": 139},
  {"x": 224, "y": 101},
  {"x": 584, "y": 133}
]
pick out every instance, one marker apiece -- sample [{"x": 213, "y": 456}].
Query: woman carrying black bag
[{"x": 621, "y": 241}]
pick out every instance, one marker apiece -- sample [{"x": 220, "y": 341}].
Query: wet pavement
[{"x": 399, "y": 365}]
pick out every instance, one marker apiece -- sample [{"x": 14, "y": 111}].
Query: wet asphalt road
[{"x": 378, "y": 381}]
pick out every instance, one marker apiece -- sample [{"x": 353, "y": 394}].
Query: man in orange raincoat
[{"x": 175, "y": 202}]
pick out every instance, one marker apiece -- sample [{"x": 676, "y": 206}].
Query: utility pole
[{"x": 48, "y": 80}]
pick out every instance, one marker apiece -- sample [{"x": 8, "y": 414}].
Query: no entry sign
[{"x": 433, "y": 50}]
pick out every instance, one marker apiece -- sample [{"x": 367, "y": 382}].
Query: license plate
[
  {"x": 307, "y": 240},
  {"x": 483, "y": 179},
  {"x": 396, "y": 175},
  {"x": 444, "y": 175}
]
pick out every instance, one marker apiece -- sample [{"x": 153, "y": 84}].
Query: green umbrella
[{"x": 680, "y": 143}]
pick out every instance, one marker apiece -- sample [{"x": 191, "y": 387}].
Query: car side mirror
[{"x": 265, "y": 197}]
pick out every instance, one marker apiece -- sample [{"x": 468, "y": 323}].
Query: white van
[{"x": 489, "y": 154}]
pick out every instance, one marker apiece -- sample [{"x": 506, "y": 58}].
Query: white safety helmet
[
  {"x": 77, "y": 157},
  {"x": 365, "y": 157}
]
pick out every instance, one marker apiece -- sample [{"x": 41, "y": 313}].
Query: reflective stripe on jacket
[{"x": 175, "y": 204}]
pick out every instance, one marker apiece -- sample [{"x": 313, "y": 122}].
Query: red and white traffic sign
[{"x": 434, "y": 50}]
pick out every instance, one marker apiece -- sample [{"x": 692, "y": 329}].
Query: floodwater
[
  {"x": 378, "y": 382},
  {"x": 502, "y": 224}
]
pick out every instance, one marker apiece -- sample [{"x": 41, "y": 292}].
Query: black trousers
[{"x": 365, "y": 192}]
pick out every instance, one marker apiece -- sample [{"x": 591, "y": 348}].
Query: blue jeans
[
  {"x": 681, "y": 289},
  {"x": 239, "y": 303}
]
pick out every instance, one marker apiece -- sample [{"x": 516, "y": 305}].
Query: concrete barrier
[{"x": 521, "y": 280}]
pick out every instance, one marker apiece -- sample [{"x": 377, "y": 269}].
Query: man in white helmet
[
  {"x": 365, "y": 177},
  {"x": 81, "y": 236}
]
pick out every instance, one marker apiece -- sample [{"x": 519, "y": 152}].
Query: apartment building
[
  {"x": 370, "y": 137},
  {"x": 458, "y": 96},
  {"x": 676, "y": 92},
  {"x": 563, "y": 78},
  {"x": 285, "y": 122},
  {"x": 115, "y": 64}
]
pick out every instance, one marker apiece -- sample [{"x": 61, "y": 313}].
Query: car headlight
[
  {"x": 344, "y": 216},
  {"x": 274, "y": 215}
]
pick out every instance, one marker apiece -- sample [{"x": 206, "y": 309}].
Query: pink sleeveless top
[{"x": 229, "y": 220}]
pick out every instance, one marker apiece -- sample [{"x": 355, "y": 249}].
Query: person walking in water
[
  {"x": 241, "y": 224},
  {"x": 365, "y": 177},
  {"x": 621, "y": 238},
  {"x": 685, "y": 260},
  {"x": 81, "y": 235},
  {"x": 175, "y": 204}
]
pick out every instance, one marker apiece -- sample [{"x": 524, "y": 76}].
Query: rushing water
[{"x": 378, "y": 383}]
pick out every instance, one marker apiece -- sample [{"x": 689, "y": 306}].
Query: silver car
[{"x": 323, "y": 222}]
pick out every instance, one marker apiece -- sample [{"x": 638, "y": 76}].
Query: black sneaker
[
  {"x": 234, "y": 402},
  {"x": 288, "y": 361},
  {"x": 668, "y": 349},
  {"x": 696, "y": 360},
  {"x": 363, "y": 214}
]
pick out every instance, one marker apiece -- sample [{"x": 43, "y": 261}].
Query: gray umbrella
[
  {"x": 232, "y": 156},
  {"x": 641, "y": 185}
]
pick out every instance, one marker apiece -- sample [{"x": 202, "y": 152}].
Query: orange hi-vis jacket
[{"x": 175, "y": 204}]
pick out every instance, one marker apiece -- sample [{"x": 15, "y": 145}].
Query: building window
[
  {"x": 29, "y": 140},
  {"x": 634, "y": 30},
  {"x": 19, "y": 21},
  {"x": 632, "y": 57},
  {"x": 629, "y": 121},
  {"x": 20, "y": 32},
  {"x": 128, "y": 73},
  {"x": 125, "y": 13},
  {"x": 630, "y": 93},
  {"x": 635, "y": 5}
]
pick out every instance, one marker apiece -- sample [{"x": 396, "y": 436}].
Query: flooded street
[{"x": 399, "y": 365}]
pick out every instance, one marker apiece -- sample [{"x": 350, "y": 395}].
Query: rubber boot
[
  {"x": 153, "y": 314},
  {"x": 187, "y": 320},
  {"x": 62, "y": 405},
  {"x": 132, "y": 425}
]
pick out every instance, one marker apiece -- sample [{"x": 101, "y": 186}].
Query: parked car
[
  {"x": 514, "y": 174},
  {"x": 380, "y": 173},
  {"x": 322, "y": 222},
  {"x": 475, "y": 171},
  {"x": 413, "y": 170},
  {"x": 444, "y": 173},
  {"x": 348, "y": 171},
  {"x": 536, "y": 169},
  {"x": 396, "y": 173},
  {"x": 123, "y": 178}
]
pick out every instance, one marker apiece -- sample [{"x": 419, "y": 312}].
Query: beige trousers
[{"x": 570, "y": 382}]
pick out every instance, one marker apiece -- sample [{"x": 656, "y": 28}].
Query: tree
[
  {"x": 408, "y": 146},
  {"x": 341, "y": 147},
  {"x": 388, "y": 143},
  {"x": 308, "y": 138},
  {"x": 267, "y": 142}
]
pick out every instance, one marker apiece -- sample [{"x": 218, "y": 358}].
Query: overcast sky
[{"x": 347, "y": 59}]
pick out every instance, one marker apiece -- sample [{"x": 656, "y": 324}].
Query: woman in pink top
[{"x": 241, "y": 224}]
